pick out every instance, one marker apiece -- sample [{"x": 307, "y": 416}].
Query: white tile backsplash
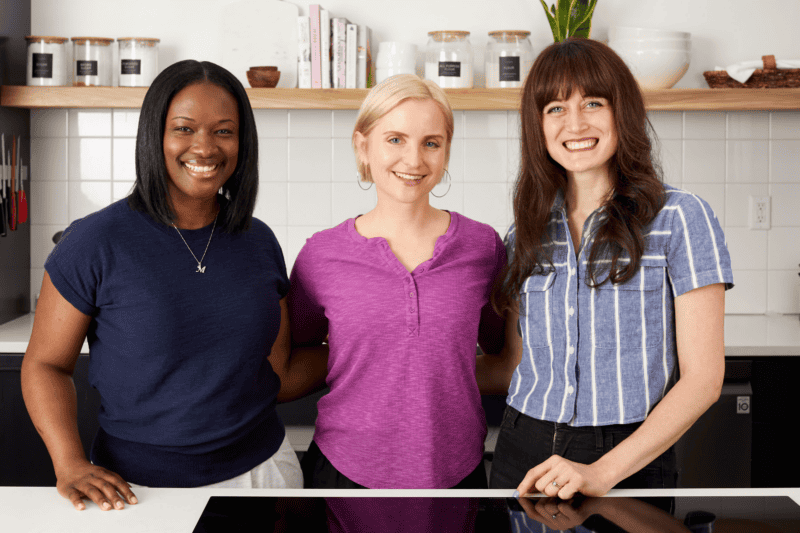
[{"x": 308, "y": 179}]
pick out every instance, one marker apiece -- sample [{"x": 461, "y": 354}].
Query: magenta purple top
[{"x": 404, "y": 410}]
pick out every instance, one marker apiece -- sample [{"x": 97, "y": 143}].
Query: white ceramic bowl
[
  {"x": 645, "y": 44},
  {"x": 655, "y": 69},
  {"x": 626, "y": 32},
  {"x": 395, "y": 54}
]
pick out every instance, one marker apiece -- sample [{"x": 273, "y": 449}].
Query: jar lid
[
  {"x": 448, "y": 36},
  {"x": 516, "y": 33},
  {"x": 104, "y": 41},
  {"x": 46, "y": 39},
  {"x": 140, "y": 39}
]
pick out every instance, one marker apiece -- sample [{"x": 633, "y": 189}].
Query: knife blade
[
  {"x": 22, "y": 208},
  {"x": 3, "y": 211},
  {"x": 13, "y": 221}
]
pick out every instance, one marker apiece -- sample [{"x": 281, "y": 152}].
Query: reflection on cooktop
[{"x": 245, "y": 514}]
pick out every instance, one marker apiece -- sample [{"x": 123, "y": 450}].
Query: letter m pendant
[{"x": 200, "y": 269}]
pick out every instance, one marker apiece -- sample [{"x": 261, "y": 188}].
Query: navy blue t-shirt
[{"x": 179, "y": 357}]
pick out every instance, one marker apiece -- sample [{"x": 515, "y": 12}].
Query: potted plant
[{"x": 570, "y": 18}]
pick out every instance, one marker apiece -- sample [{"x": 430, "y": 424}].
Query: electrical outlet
[{"x": 759, "y": 212}]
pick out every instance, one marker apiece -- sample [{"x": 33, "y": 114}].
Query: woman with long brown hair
[{"x": 615, "y": 287}]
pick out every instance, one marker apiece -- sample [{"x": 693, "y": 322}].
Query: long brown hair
[{"x": 593, "y": 69}]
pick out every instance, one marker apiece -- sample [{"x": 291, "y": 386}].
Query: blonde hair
[{"x": 389, "y": 94}]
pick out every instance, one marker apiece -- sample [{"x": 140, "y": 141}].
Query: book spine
[
  {"x": 303, "y": 53},
  {"x": 316, "y": 52},
  {"x": 338, "y": 71},
  {"x": 364, "y": 57},
  {"x": 325, "y": 46},
  {"x": 351, "y": 62}
]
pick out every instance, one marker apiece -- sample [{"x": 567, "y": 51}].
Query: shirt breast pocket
[
  {"x": 536, "y": 310},
  {"x": 631, "y": 314}
]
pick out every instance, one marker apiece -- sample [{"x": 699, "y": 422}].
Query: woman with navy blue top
[
  {"x": 615, "y": 288},
  {"x": 180, "y": 294}
]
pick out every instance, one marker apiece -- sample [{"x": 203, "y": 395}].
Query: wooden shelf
[{"x": 460, "y": 99}]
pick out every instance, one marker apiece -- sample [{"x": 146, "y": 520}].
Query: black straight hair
[{"x": 150, "y": 192}]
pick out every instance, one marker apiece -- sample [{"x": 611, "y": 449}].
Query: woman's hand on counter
[
  {"x": 83, "y": 480},
  {"x": 564, "y": 478}
]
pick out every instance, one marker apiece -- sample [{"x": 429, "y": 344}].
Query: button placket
[{"x": 411, "y": 294}]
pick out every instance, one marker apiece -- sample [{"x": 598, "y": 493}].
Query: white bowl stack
[
  {"x": 395, "y": 58},
  {"x": 657, "y": 58}
]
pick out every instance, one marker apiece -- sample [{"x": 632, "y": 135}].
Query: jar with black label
[
  {"x": 138, "y": 61},
  {"x": 47, "y": 60},
  {"x": 509, "y": 56},
  {"x": 92, "y": 60},
  {"x": 448, "y": 59}
]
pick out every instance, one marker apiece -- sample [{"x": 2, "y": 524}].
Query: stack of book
[{"x": 332, "y": 53}]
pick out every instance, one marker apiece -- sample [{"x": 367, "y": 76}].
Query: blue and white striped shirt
[{"x": 606, "y": 355}]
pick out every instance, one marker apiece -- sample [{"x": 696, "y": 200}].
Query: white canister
[
  {"x": 448, "y": 59},
  {"x": 138, "y": 61},
  {"x": 91, "y": 57},
  {"x": 509, "y": 56},
  {"x": 395, "y": 58},
  {"x": 47, "y": 60}
]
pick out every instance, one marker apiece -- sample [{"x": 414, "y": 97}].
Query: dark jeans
[
  {"x": 319, "y": 473},
  {"x": 525, "y": 442}
]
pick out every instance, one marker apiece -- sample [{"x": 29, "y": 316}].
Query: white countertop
[
  {"x": 745, "y": 335},
  {"x": 40, "y": 509}
]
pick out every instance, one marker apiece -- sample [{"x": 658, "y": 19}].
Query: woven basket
[{"x": 768, "y": 77}]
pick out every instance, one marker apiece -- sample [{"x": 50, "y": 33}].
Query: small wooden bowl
[{"x": 263, "y": 76}]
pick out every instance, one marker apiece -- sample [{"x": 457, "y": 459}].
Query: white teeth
[
  {"x": 195, "y": 168},
  {"x": 578, "y": 145},
  {"x": 411, "y": 177}
]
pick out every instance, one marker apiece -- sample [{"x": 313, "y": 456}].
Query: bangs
[{"x": 570, "y": 68}]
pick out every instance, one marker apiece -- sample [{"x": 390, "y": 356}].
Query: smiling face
[
  {"x": 580, "y": 133},
  {"x": 405, "y": 150},
  {"x": 201, "y": 142}
]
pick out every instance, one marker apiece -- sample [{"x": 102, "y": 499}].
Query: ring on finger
[{"x": 555, "y": 484}]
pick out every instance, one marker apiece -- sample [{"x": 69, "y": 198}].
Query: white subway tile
[
  {"x": 745, "y": 330},
  {"x": 124, "y": 164},
  {"x": 737, "y": 203},
  {"x": 485, "y": 160},
  {"x": 704, "y": 125},
  {"x": 783, "y": 331},
  {"x": 42, "y": 243},
  {"x": 309, "y": 204},
  {"x": 344, "y": 162},
  {"x": 749, "y": 294},
  {"x": 514, "y": 125},
  {"x": 748, "y": 125},
  {"x": 489, "y": 203},
  {"x": 748, "y": 162},
  {"x": 458, "y": 124},
  {"x": 453, "y": 199},
  {"x": 37, "y": 276},
  {"x": 785, "y": 161},
  {"x": 48, "y": 123},
  {"x": 785, "y": 203},
  {"x": 310, "y": 160},
  {"x": 121, "y": 189},
  {"x": 125, "y": 122},
  {"x": 513, "y": 160},
  {"x": 714, "y": 195},
  {"x": 48, "y": 159},
  {"x": 748, "y": 248},
  {"x": 314, "y": 123},
  {"x": 784, "y": 245},
  {"x": 348, "y": 201},
  {"x": 785, "y": 125},
  {"x": 703, "y": 161},
  {"x": 456, "y": 164},
  {"x": 272, "y": 123},
  {"x": 343, "y": 123},
  {"x": 671, "y": 158},
  {"x": 89, "y": 122},
  {"x": 667, "y": 124},
  {"x": 783, "y": 293},
  {"x": 273, "y": 160},
  {"x": 485, "y": 125},
  {"x": 296, "y": 239},
  {"x": 86, "y": 197},
  {"x": 48, "y": 203},
  {"x": 89, "y": 159},
  {"x": 272, "y": 203}
]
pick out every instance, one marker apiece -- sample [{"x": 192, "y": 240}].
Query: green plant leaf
[
  {"x": 551, "y": 19},
  {"x": 563, "y": 16},
  {"x": 582, "y": 25}
]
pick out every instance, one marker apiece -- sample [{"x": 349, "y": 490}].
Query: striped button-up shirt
[{"x": 606, "y": 355}]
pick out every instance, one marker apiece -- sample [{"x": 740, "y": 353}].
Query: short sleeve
[
  {"x": 306, "y": 312},
  {"x": 697, "y": 254},
  {"x": 74, "y": 270}
]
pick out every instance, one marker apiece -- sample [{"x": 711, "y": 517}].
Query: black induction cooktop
[{"x": 703, "y": 514}]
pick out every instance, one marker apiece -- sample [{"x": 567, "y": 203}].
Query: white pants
[{"x": 281, "y": 471}]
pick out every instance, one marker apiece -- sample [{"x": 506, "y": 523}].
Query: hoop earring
[
  {"x": 358, "y": 180},
  {"x": 449, "y": 184}
]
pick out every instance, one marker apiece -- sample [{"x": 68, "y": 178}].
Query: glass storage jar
[
  {"x": 509, "y": 56},
  {"x": 448, "y": 59},
  {"x": 138, "y": 61},
  {"x": 92, "y": 60},
  {"x": 47, "y": 60}
]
